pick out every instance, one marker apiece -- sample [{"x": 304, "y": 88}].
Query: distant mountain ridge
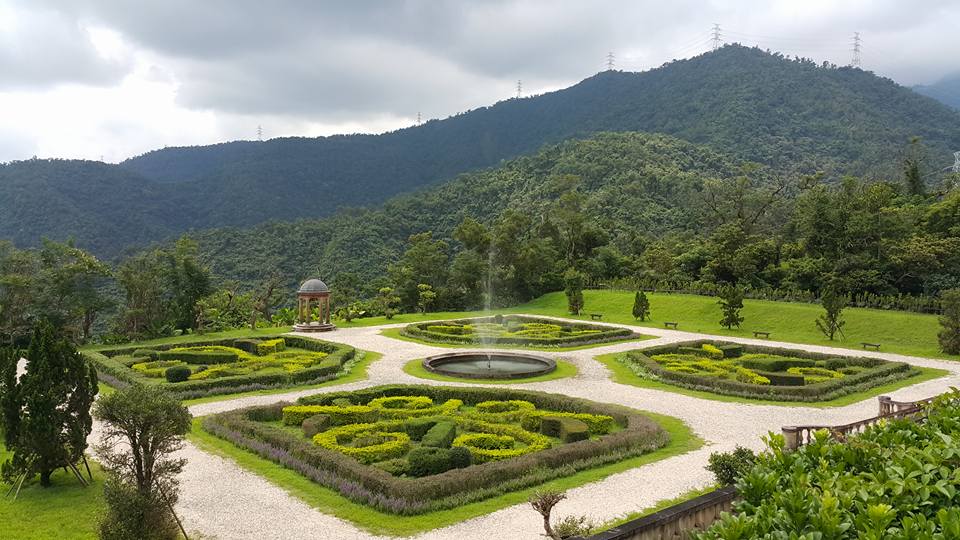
[
  {"x": 946, "y": 90},
  {"x": 752, "y": 105}
]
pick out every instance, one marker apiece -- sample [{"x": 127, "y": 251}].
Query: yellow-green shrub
[{"x": 397, "y": 442}]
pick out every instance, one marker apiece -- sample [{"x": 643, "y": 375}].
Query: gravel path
[{"x": 224, "y": 501}]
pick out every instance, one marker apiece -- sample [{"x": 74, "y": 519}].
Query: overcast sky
[{"x": 115, "y": 78}]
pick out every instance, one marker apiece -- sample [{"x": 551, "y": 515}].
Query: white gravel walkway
[{"x": 225, "y": 501}]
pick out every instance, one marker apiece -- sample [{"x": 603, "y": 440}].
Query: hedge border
[
  {"x": 607, "y": 333},
  {"x": 106, "y": 364},
  {"x": 408, "y": 496},
  {"x": 879, "y": 372}
]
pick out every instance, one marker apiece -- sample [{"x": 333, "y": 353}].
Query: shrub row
[
  {"x": 878, "y": 372},
  {"x": 601, "y": 334},
  {"x": 338, "y": 355},
  {"x": 379, "y": 489},
  {"x": 200, "y": 357}
]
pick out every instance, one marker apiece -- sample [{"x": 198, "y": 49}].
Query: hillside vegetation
[{"x": 791, "y": 115}]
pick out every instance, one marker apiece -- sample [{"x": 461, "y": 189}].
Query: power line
[
  {"x": 715, "y": 36},
  {"x": 856, "y": 50},
  {"x": 610, "y": 59}
]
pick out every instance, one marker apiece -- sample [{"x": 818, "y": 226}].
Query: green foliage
[
  {"x": 514, "y": 330},
  {"x": 441, "y": 435},
  {"x": 315, "y": 424},
  {"x": 831, "y": 322},
  {"x": 573, "y": 430},
  {"x": 573, "y": 288},
  {"x": 427, "y": 460},
  {"x": 367, "y": 443},
  {"x": 889, "y": 482},
  {"x": 731, "y": 302},
  {"x": 53, "y": 400},
  {"x": 641, "y": 306},
  {"x": 134, "y": 514},
  {"x": 949, "y": 335},
  {"x": 177, "y": 374},
  {"x": 728, "y": 467}
]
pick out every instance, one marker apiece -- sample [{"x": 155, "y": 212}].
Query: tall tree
[
  {"x": 71, "y": 287},
  {"x": 145, "y": 311},
  {"x": 18, "y": 292},
  {"x": 831, "y": 322},
  {"x": 641, "y": 306},
  {"x": 949, "y": 335},
  {"x": 573, "y": 289},
  {"x": 425, "y": 261},
  {"x": 731, "y": 302},
  {"x": 187, "y": 280},
  {"x": 913, "y": 162},
  {"x": 54, "y": 398},
  {"x": 266, "y": 297},
  {"x": 143, "y": 428}
]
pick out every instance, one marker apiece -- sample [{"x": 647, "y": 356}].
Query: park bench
[
  {"x": 596, "y": 316},
  {"x": 759, "y": 334},
  {"x": 874, "y": 346},
  {"x": 670, "y": 325}
]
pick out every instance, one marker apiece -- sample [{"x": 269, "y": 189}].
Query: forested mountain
[
  {"x": 946, "y": 90},
  {"x": 791, "y": 115}
]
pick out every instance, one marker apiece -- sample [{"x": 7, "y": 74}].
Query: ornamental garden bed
[
  {"x": 515, "y": 330},
  {"x": 224, "y": 366},
  {"x": 410, "y": 450},
  {"x": 760, "y": 372}
]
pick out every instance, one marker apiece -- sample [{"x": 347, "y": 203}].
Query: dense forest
[
  {"x": 792, "y": 115},
  {"x": 617, "y": 208}
]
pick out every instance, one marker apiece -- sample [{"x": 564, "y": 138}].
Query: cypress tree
[
  {"x": 641, "y": 306},
  {"x": 731, "y": 302}
]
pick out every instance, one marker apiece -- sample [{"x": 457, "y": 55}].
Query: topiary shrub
[
  {"x": 782, "y": 379},
  {"x": 573, "y": 430},
  {"x": 728, "y": 467},
  {"x": 315, "y": 424},
  {"x": 224, "y": 356},
  {"x": 440, "y": 435},
  {"x": 396, "y": 466},
  {"x": 418, "y": 427},
  {"x": 428, "y": 460},
  {"x": 550, "y": 426},
  {"x": 731, "y": 350},
  {"x": 270, "y": 346},
  {"x": 766, "y": 362},
  {"x": 247, "y": 344},
  {"x": 177, "y": 374}
]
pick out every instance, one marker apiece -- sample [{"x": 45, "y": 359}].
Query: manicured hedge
[
  {"x": 441, "y": 435},
  {"x": 878, "y": 372},
  {"x": 326, "y": 370},
  {"x": 200, "y": 357},
  {"x": 637, "y": 434},
  {"x": 604, "y": 333}
]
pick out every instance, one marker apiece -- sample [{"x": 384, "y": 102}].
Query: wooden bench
[
  {"x": 874, "y": 346},
  {"x": 596, "y": 316},
  {"x": 670, "y": 325},
  {"x": 764, "y": 335}
]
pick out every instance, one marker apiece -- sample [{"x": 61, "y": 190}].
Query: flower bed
[
  {"x": 760, "y": 372},
  {"x": 377, "y": 447},
  {"x": 225, "y": 366},
  {"x": 514, "y": 330}
]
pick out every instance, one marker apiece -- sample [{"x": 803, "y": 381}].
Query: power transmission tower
[
  {"x": 856, "y": 50},
  {"x": 419, "y": 119},
  {"x": 715, "y": 39},
  {"x": 956, "y": 162},
  {"x": 260, "y": 133},
  {"x": 519, "y": 88},
  {"x": 610, "y": 59}
]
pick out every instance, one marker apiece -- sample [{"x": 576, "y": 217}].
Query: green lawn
[
  {"x": 623, "y": 375},
  {"x": 395, "y": 334},
  {"x": 328, "y": 501},
  {"x": 896, "y": 331},
  {"x": 357, "y": 373},
  {"x": 65, "y": 511},
  {"x": 564, "y": 369}
]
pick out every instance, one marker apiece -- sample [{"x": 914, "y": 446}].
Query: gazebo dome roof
[{"x": 313, "y": 286}]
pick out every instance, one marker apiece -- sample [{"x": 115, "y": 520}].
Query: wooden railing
[
  {"x": 888, "y": 409},
  {"x": 676, "y": 521}
]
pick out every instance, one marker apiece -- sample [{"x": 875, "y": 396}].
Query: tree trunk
[{"x": 45, "y": 477}]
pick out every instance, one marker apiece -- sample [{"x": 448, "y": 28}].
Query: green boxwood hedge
[
  {"x": 876, "y": 372},
  {"x": 636, "y": 434},
  {"x": 115, "y": 373},
  {"x": 427, "y": 331}
]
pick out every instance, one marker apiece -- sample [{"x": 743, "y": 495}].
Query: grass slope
[
  {"x": 328, "y": 501},
  {"x": 623, "y": 375},
  {"x": 564, "y": 369},
  {"x": 65, "y": 511}
]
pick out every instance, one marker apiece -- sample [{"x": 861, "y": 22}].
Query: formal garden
[
  {"x": 762, "y": 372},
  {"x": 409, "y": 450},
  {"x": 515, "y": 331},
  {"x": 224, "y": 366}
]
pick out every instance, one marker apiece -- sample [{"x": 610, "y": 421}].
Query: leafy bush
[
  {"x": 225, "y": 355},
  {"x": 892, "y": 481},
  {"x": 427, "y": 461},
  {"x": 418, "y": 427},
  {"x": 315, "y": 424},
  {"x": 177, "y": 374},
  {"x": 731, "y": 350},
  {"x": 573, "y": 430},
  {"x": 294, "y": 415},
  {"x": 441, "y": 435},
  {"x": 728, "y": 467},
  {"x": 270, "y": 346},
  {"x": 145, "y": 353},
  {"x": 712, "y": 351},
  {"x": 247, "y": 345},
  {"x": 395, "y": 466},
  {"x": 385, "y": 445}
]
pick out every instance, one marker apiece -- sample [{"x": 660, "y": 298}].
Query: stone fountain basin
[{"x": 489, "y": 365}]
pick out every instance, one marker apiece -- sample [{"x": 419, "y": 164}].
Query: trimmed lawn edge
[
  {"x": 357, "y": 373},
  {"x": 564, "y": 369},
  {"x": 682, "y": 440},
  {"x": 394, "y": 333},
  {"x": 621, "y": 374}
]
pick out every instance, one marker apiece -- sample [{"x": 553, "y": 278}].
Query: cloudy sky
[{"x": 111, "y": 79}]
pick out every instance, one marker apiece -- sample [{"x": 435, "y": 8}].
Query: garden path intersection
[{"x": 223, "y": 500}]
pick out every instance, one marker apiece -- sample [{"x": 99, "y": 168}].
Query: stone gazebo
[{"x": 313, "y": 291}]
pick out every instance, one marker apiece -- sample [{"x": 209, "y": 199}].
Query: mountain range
[{"x": 793, "y": 116}]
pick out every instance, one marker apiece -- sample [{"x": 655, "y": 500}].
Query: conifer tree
[
  {"x": 641, "y": 306},
  {"x": 574, "y": 290},
  {"x": 731, "y": 302},
  {"x": 949, "y": 335},
  {"x": 831, "y": 321}
]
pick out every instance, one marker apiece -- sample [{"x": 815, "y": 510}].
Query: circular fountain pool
[{"x": 489, "y": 365}]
